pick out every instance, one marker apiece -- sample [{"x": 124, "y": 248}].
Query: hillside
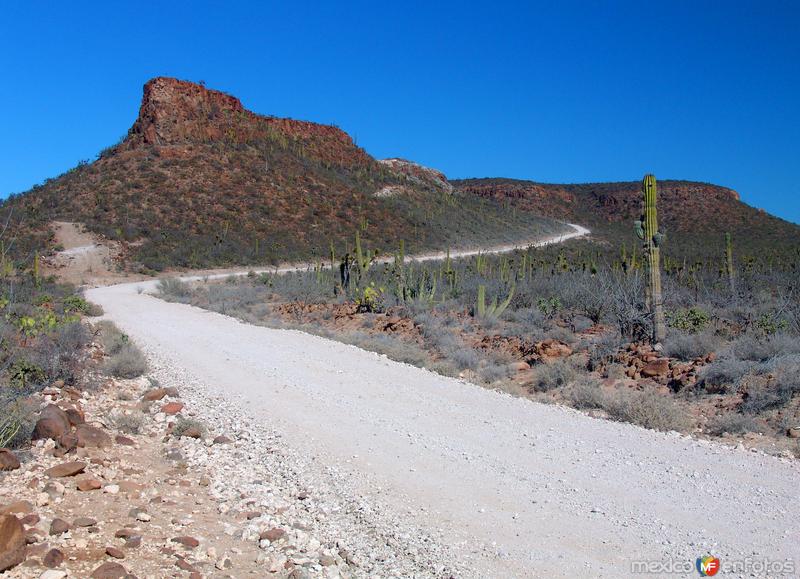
[
  {"x": 200, "y": 181},
  {"x": 694, "y": 215}
]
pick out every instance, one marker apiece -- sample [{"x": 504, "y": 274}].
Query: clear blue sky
[{"x": 551, "y": 91}]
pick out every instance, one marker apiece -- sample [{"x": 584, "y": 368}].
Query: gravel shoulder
[{"x": 456, "y": 479}]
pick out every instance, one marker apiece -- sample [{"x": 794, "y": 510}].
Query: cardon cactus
[
  {"x": 729, "y": 262},
  {"x": 652, "y": 239}
]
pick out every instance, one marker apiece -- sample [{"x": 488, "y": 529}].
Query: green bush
[{"x": 691, "y": 320}]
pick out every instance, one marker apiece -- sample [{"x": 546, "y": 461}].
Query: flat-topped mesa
[{"x": 177, "y": 112}]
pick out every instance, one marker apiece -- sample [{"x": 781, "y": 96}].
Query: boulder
[
  {"x": 92, "y": 437},
  {"x": 53, "y": 558},
  {"x": 154, "y": 395},
  {"x": 52, "y": 423},
  {"x": 8, "y": 460},
  {"x": 13, "y": 543},
  {"x": 59, "y": 527},
  {"x": 110, "y": 571},
  {"x": 552, "y": 349},
  {"x": 89, "y": 484},
  {"x": 75, "y": 416},
  {"x": 656, "y": 369},
  {"x": 172, "y": 408},
  {"x": 66, "y": 469}
]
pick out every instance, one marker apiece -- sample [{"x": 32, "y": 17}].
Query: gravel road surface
[{"x": 497, "y": 486}]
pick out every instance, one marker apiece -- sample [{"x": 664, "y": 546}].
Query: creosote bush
[{"x": 125, "y": 360}]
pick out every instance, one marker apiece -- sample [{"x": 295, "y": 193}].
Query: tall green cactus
[
  {"x": 647, "y": 230},
  {"x": 729, "y": 261},
  {"x": 493, "y": 310}
]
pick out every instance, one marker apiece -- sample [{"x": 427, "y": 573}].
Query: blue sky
[{"x": 551, "y": 91}]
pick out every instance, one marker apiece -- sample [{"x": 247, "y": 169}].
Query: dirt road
[{"x": 510, "y": 488}]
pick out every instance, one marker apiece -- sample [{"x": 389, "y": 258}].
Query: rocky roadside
[{"x": 136, "y": 479}]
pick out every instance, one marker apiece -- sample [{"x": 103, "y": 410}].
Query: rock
[
  {"x": 110, "y": 571},
  {"x": 552, "y": 349},
  {"x": 17, "y": 508},
  {"x": 84, "y": 522},
  {"x": 124, "y": 440},
  {"x": 75, "y": 416},
  {"x": 13, "y": 544},
  {"x": 793, "y": 432},
  {"x": 66, "y": 469},
  {"x": 192, "y": 432},
  {"x": 114, "y": 552},
  {"x": 30, "y": 520},
  {"x": 133, "y": 542},
  {"x": 186, "y": 541},
  {"x": 130, "y": 487},
  {"x": 59, "y": 526},
  {"x": 92, "y": 437},
  {"x": 66, "y": 443},
  {"x": 143, "y": 517},
  {"x": 89, "y": 484},
  {"x": 273, "y": 534},
  {"x": 52, "y": 423},
  {"x": 154, "y": 395},
  {"x": 53, "y": 558},
  {"x": 250, "y": 515},
  {"x": 8, "y": 460},
  {"x": 327, "y": 561},
  {"x": 111, "y": 489},
  {"x": 184, "y": 565},
  {"x": 53, "y": 574},
  {"x": 222, "y": 439},
  {"x": 172, "y": 408},
  {"x": 656, "y": 368}
]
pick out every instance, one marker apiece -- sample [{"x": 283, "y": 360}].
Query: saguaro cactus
[
  {"x": 647, "y": 230},
  {"x": 729, "y": 261}
]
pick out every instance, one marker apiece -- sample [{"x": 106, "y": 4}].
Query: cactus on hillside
[
  {"x": 493, "y": 310},
  {"x": 729, "y": 261},
  {"x": 647, "y": 230}
]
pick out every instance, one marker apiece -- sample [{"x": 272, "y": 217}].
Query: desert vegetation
[{"x": 570, "y": 325}]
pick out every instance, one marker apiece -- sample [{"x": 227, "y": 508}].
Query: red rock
[
  {"x": 552, "y": 349},
  {"x": 114, "y": 552},
  {"x": 8, "y": 460},
  {"x": 186, "y": 541},
  {"x": 52, "y": 423},
  {"x": 66, "y": 469},
  {"x": 133, "y": 541},
  {"x": 89, "y": 484},
  {"x": 110, "y": 571},
  {"x": 53, "y": 558},
  {"x": 656, "y": 369},
  {"x": 222, "y": 439},
  {"x": 30, "y": 520},
  {"x": 172, "y": 407},
  {"x": 273, "y": 534},
  {"x": 184, "y": 565},
  {"x": 75, "y": 416},
  {"x": 67, "y": 442},
  {"x": 17, "y": 508},
  {"x": 124, "y": 440},
  {"x": 92, "y": 437},
  {"x": 59, "y": 526},
  {"x": 84, "y": 522},
  {"x": 125, "y": 533},
  {"x": 250, "y": 515},
  {"x": 154, "y": 395},
  {"x": 13, "y": 544},
  {"x": 192, "y": 432}
]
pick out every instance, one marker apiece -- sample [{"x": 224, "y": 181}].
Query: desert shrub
[
  {"x": 762, "y": 348},
  {"x": 16, "y": 420},
  {"x": 648, "y": 409},
  {"x": 690, "y": 320},
  {"x": 586, "y": 394},
  {"x": 603, "y": 349},
  {"x": 127, "y": 422},
  {"x": 183, "y": 424},
  {"x": 24, "y": 374},
  {"x": 782, "y": 383},
  {"x": 128, "y": 362},
  {"x": 465, "y": 358},
  {"x": 173, "y": 287},
  {"x": 732, "y": 423},
  {"x": 492, "y": 372},
  {"x": 556, "y": 374},
  {"x": 689, "y": 346},
  {"x": 723, "y": 374}
]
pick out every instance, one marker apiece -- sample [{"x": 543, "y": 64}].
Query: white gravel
[{"x": 421, "y": 475}]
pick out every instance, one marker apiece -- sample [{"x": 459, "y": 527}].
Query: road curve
[{"x": 516, "y": 488}]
